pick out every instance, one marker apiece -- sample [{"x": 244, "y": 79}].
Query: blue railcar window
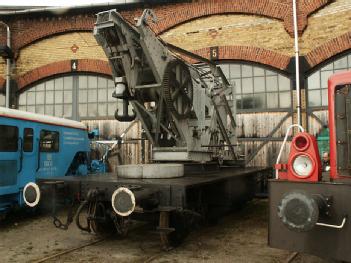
[
  {"x": 8, "y": 138},
  {"x": 28, "y": 140},
  {"x": 49, "y": 141}
]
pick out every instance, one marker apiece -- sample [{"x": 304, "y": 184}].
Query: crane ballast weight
[{"x": 183, "y": 108}]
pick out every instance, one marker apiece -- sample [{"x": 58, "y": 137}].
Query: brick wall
[
  {"x": 75, "y": 45},
  {"x": 253, "y": 30}
]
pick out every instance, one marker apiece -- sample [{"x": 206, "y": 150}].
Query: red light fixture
[{"x": 304, "y": 162}]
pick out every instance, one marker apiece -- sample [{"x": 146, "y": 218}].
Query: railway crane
[{"x": 188, "y": 114}]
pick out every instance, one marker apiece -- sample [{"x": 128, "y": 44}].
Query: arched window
[
  {"x": 257, "y": 88},
  {"x": 318, "y": 81},
  {"x": 73, "y": 96}
]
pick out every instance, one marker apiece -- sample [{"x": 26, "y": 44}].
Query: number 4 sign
[{"x": 74, "y": 65}]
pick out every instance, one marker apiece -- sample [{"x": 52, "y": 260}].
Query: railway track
[{"x": 149, "y": 259}]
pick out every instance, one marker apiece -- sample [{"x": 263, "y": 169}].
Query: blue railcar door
[
  {"x": 10, "y": 158},
  {"x": 48, "y": 154},
  {"x": 28, "y": 156}
]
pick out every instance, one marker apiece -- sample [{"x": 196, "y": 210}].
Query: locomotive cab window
[
  {"x": 8, "y": 138},
  {"x": 28, "y": 140},
  {"x": 49, "y": 141}
]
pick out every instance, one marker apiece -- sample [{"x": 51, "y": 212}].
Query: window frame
[
  {"x": 56, "y": 147},
  {"x": 24, "y": 140},
  {"x": 319, "y": 69},
  {"x": 57, "y": 85},
  {"x": 16, "y": 133},
  {"x": 264, "y": 68}
]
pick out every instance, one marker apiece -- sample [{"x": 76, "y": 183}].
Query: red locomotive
[{"x": 309, "y": 212}]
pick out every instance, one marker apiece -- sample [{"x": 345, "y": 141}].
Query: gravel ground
[{"x": 238, "y": 237}]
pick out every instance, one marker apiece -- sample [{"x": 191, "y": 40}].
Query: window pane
[
  {"x": 40, "y": 87},
  {"x": 59, "y": 110},
  {"x": 59, "y": 84},
  {"x": 324, "y": 97},
  {"x": 246, "y": 71},
  {"x": 83, "y": 82},
  {"x": 272, "y": 83},
  {"x": 285, "y": 99},
  {"x": 260, "y": 101},
  {"x": 237, "y": 85},
  {"x": 83, "y": 96},
  {"x": 58, "y": 97},
  {"x": 272, "y": 100},
  {"x": 111, "y": 108},
  {"x": 328, "y": 67},
  {"x": 248, "y": 102},
  {"x": 271, "y": 73},
  {"x": 67, "y": 96},
  {"x": 259, "y": 84},
  {"x": 40, "y": 97},
  {"x": 83, "y": 110},
  {"x": 284, "y": 83},
  {"x": 68, "y": 82},
  {"x": 314, "y": 81},
  {"x": 258, "y": 71},
  {"x": 22, "y": 98},
  {"x": 49, "y": 85},
  {"x": 102, "y": 107},
  {"x": 8, "y": 138},
  {"x": 92, "y": 95},
  {"x": 102, "y": 95},
  {"x": 49, "y": 110},
  {"x": 110, "y": 84},
  {"x": 92, "y": 82},
  {"x": 341, "y": 63},
  {"x": 238, "y": 102},
  {"x": 49, "y": 141},
  {"x": 92, "y": 110},
  {"x": 247, "y": 85},
  {"x": 235, "y": 71},
  {"x": 31, "y": 108},
  {"x": 314, "y": 98},
  {"x": 2, "y": 100},
  {"x": 102, "y": 83},
  {"x": 40, "y": 109},
  {"x": 67, "y": 110},
  {"x": 49, "y": 97},
  {"x": 28, "y": 140}
]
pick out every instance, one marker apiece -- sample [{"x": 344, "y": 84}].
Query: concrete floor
[{"x": 238, "y": 237}]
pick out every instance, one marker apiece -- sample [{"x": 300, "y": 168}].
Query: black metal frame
[{"x": 322, "y": 241}]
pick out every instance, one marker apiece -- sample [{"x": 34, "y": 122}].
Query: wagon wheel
[
  {"x": 178, "y": 89},
  {"x": 100, "y": 222}
]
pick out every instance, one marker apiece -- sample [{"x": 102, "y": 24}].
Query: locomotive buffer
[{"x": 197, "y": 171}]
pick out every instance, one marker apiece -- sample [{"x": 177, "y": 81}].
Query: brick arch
[
  {"x": 329, "y": 49},
  {"x": 84, "y": 65},
  {"x": 28, "y": 31},
  {"x": 183, "y": 13},
  {"x": 253, "y": 54}
]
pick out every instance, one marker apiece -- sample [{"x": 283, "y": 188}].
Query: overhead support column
[{"x": 7, "y": 53}]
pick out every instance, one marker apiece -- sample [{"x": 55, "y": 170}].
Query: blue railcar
[{"x": 34, "y": 146}]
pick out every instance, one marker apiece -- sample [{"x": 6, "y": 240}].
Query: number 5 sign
[
  {"x": 74, "y": 65},
  {"x": 214, "y": 53}
]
